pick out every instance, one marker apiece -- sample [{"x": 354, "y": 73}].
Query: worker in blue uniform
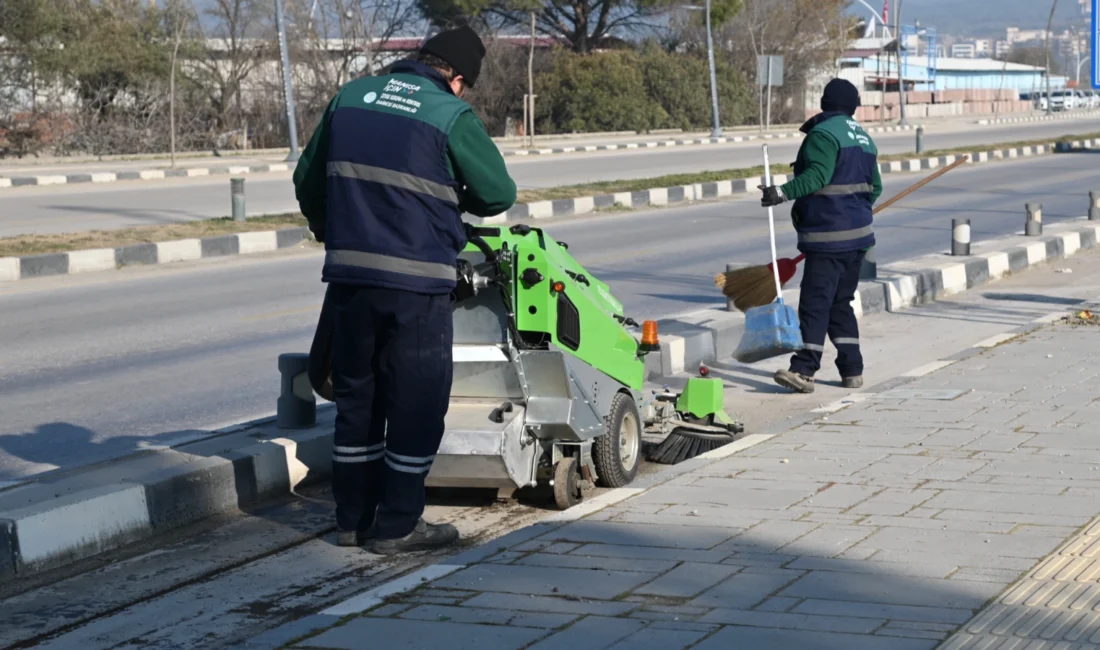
[
  {"x": 384, "y": 181},
  {"x": 836, "y": 183}
]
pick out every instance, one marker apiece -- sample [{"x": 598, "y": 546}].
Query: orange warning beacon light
[{"x": 649, "y": 335}]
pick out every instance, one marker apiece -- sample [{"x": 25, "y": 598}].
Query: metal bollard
[
  {"x": 1033, "y": 227},
  {"x": 297, "y": 407},
  {"x": 920, "y": 139},
  {"x": 960, "y": 236},
  {"x": 236, "y": 191},
  {"x": 1094, "y": 206},
  {"x": 868, "y": 270}
]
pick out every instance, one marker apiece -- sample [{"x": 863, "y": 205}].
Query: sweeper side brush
[{"x": 548, "y": 376}]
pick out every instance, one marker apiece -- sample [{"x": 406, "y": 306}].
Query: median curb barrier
[
  {"x": 1037, "y": 118},
  {"x": 50, "y": 264}
]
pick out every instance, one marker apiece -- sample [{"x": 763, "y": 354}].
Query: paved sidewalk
[{"x": 888, "y": 521}]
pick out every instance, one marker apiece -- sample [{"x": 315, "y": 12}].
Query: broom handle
[
  {"x": 916, "y": 186},
  {"x": 771, "y": 228}
]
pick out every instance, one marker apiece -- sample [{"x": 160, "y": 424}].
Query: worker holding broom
[{"x": 836, "y": 183}]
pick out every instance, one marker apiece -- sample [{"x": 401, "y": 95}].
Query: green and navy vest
[
  {"x": 838, "y": 217},
  {"x": 392, "y": 198}
]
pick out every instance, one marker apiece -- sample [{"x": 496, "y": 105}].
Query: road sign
[
  {"x": 769, "y": 69},
  {"x": 1095, "y": 37}
]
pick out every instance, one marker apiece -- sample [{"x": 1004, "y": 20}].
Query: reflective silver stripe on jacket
[
  {"x": 834, "y": 190},
  {"x": 392, "y": 264},
  {"x": 392, "y": 178},
  {"x": 837, "y": 236}
]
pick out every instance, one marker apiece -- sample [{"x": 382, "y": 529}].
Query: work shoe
[
  {"x": 796, "y": 382},
  {"x": 354, "y": 537},
  {"x": 852, "y": 382},
  {"x": 425, "y": 537}
]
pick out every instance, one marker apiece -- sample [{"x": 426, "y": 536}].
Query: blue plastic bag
[{"x": 770, "y": 331}]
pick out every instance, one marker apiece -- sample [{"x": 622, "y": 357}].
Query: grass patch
[
  {"x": 640, "y": 184},
  {"x": 59, "y": 243}
]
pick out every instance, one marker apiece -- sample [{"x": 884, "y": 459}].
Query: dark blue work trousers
[
  {"x": 391, "y": 379},
  {"x": 829, "y": 283}
]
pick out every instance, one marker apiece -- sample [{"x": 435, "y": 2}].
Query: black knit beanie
[
  {"x": 840, "y": 95},
  {"x": 461, "y": 48}
]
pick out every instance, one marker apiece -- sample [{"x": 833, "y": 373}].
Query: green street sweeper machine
[{"x": 548, "y": 377}]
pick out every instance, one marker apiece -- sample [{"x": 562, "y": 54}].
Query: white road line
[
  {"x": 928, "y": 368},
  {"x": 734, "y": 447},
  {"x": 1050, "y": 318},
  {"x": 994, "y": 341}
]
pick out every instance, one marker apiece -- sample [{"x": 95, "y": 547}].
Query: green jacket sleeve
[
  {"x": 488, "y": 189},
  {"x": 311, "y": 176},
  {"x": 876, "y": 185},
  {"x": 819, "y": 152}
]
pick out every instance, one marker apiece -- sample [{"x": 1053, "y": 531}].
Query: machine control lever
[
  {"x": 498, "y": 413},
  {"x": 579, "y": 277},
  {"x": 626, "y": 320}
]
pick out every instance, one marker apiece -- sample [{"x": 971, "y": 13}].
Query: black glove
[{"x": 772, "y": 196}]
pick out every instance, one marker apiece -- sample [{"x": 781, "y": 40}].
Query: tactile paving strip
[{"x": 1056, "y": 607}]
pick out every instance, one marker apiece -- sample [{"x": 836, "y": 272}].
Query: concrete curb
[
  {"x": 109, "y": 259},
  {"x": 65, "y": 516},
  {"x": 703, "y": 337},
  {"x": 662, "y": 196},
  {"x": 1040, "y": 118},
  {"x": 654, "y": 144},
  {"x": 141, "y": 175}
]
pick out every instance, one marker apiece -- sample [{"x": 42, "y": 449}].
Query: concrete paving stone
[
  {"x": 755, "y": 559},
  {"x": 843, "y": 496},
  {"x": 889, "y": 631},
  {"x": 952, "y": 438},
  {"x": 931, "y": 627},
  {"x": 744, "y": 590},
  {"x": 939, "y": 558},
  {"x": 697, "y": 538},
  {"x": 505, "y": 557},
  {"x": 542, "y": 620},
  {"x": 941, "y": 616},
  {"x": 658, "y": 639},
  {"x": 390, "y": 609},
  {"x": 895, "y": 466},
  {"x": 590, "y": 633},
  {"x": 932, "y": 523},
  {"x": 1034, "y": 544},
  {"x": 827, "y": 540},
  {"x": 447, "y": 593},
  {"x": 1022, "y": 503},
  {"x": 651, "y": 616},
  {"x": 986, "y": 575},
  {"x": 871, "y": 588},
  {"x": 1061, "y": 481},
  {"x": 432, "y": 600},
  {"x": 680, "y": 610},
  {"x": 1066, "y": 440},
  {"x": 824, "y": 447},
  {"x": 1087, "y": 456},
  {"x": 829, "y": 518},
  {"x": 842, "y": 463},
  {"x": 574, "y": 561},
  {"x": 982, "y": 485},
  {"x": 534, "y": 546},
  {"x": 791, "y": 621},
  {"x": 398, "y": 634},
  {"x": 580, "y": 607},
  {"x": 745, "y": 638},
  {"x": 651, "y": 553},
  {"x": 459, "y": 614},
  {"x": 769, "y": 536},
  {"x": 687, "y": 580},
  {"x": 876, "y": 437},
  {"x": 779, "y": 475},
  {"x": 696, "y": 497},
  {"x": 693, "y": 518},
  {"x": 870, "y": 566},
  {"x": 893, "y": 502},
  {"x": 601, "y": 585},
  {"x": 1040, "y": 418},
  {"x": 777, "y": 604},
  {"x": 948, "y": 469},
  {"x": 1014, "y": 518}
]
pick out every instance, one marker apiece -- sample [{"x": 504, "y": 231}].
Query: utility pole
[
  {"x": 288, "y": 84},
  {"x": 901, "y": 66},
  {"x": 716, "y": 129},
  {"x": 1050, "y": 26},
  {"x": 530, "y": 128}
]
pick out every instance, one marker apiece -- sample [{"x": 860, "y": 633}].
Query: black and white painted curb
[
  {"x": 703, "y": 337},
  {"x": 654, "y": 144},
  {"x": 34, "y": 266},
  {"x": 1072, "y": 115},
  {"x": 142, "y": 175},
  {"x": 182, "y": 250},
  {"x": 424, "y": 576}
]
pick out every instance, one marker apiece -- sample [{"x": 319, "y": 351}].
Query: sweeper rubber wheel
[
  {"x": 567, "y": 484},
  {"x": 618, "y": 453}
]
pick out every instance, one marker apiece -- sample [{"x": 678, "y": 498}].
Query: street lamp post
[
  {"x": 716, "y": 127},
  {"x": 288, "y": 84}
]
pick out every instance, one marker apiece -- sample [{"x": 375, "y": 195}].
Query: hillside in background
[{"x": 981, "y": 17}]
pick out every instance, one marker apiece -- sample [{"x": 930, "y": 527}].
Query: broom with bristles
[{"x": 754, "y": 286}]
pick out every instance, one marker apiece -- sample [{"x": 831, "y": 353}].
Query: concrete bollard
[
  {"x": 1094, "y": 206},
  {"x": 236, "y": 191},
  {"x": 297, "y": 407},
  {"x": 960, "y": 236},
  {"x": 920, "y": 139},
  {"x": 1033, "y": 227},
  {"x": 868, "y": 270}
]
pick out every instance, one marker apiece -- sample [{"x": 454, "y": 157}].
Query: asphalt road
[
  {"x": 101, "y": 365},
  {"x": 55, "y": 209}
]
